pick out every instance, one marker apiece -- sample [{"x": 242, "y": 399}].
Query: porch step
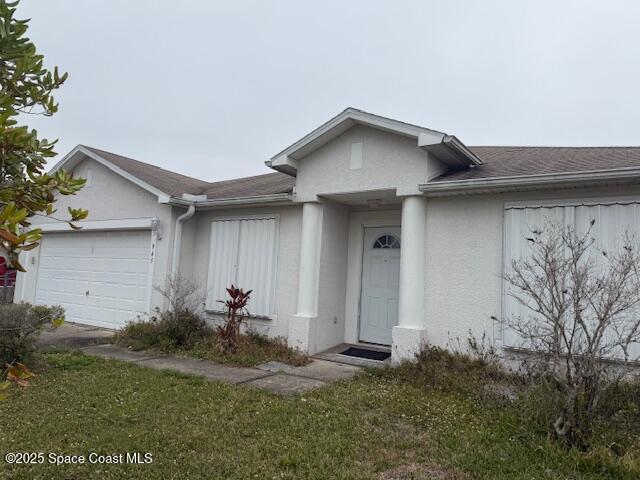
[{"x": 333, "y": 355}]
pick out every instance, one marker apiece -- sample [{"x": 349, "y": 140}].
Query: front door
[{"x": 380, "y": 282}]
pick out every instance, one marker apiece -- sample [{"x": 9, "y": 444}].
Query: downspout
[{"x": 177, "y": 239}]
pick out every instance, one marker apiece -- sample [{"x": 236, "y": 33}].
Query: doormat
[{"x": 364, "y": 353}]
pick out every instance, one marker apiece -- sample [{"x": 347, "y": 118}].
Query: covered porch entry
[{"x": 361, "y": 272}]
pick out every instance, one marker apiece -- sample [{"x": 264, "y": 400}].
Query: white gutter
[
  {"x": 229, "y": 202},
  {"x": 455, "y": 144},
  {"x": 177, "y": 239},
  {"x": 479, "y": 185}
]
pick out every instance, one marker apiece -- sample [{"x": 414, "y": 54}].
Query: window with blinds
[{"x": 244, "y": 253}]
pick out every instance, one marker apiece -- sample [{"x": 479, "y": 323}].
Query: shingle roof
[
  {"x": 499, "y": 162},
  {"x": 269, "y": 183},
  {"x": 175, "y": 184},
  {"x": 525, "y": 161},
  {"x": 171, "y": 183}
]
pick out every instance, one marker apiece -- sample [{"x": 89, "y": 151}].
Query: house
[{"x": 369, "y": 231}]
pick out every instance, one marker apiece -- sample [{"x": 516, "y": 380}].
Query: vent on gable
[{"x": 356, "y": 156}]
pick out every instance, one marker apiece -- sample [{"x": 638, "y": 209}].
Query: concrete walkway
[
  {"x": 276, "y": 377},
  {"x": 72, "y": 335}
]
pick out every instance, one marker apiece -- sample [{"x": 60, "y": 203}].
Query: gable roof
[
  {"x": 167, "y": 184},
  {"x": 172, "y": 183},
  {"x": 528, "y": 161},
  {"x": 496, "y": 167},
  {"x": 447, "y": 148}
]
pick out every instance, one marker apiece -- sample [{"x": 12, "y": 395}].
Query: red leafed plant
[{"x": 236, "y": 307}]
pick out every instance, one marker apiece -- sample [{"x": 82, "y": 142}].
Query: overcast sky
[{"x": 212, "y": 89}]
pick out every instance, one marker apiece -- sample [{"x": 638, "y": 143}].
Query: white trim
[
  {"x": 93, "y": 225},
  {"x": 286, "y": 160},
  {"x": 152, "y": 265},
  {"x": 70, "y": 158},
  {"x": 357, "y": 116},
  {"x": 22, "y": 275},
  {"x": 503, "y": 284},
  {"x": 37, "y": 274},
  {"x": 572, "y": 202},
  {"x": 536, "y": 180}
]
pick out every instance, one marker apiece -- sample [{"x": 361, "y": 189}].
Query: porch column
[
  {"x": 409, "y": 335},
  {"x": 302, "y": 327}
]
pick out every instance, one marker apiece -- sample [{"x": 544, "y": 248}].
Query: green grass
[{"x": 376, "y": 426}]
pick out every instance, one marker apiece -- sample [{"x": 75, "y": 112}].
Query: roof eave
[
  {"x": 531, "y": 182},
  {"x": 449, "y": 150},
  {"x": 283, "y": 164}
]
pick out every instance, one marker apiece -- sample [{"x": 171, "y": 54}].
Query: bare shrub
[
  {"x": 182, "y": 294},
  {"x": 584, "y": 319},
  {"x": 181, "y": 326}
]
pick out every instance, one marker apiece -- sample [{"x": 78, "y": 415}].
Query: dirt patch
[
  {"x": 411, "y": 466},
  {"x": 415, "y": 471}
]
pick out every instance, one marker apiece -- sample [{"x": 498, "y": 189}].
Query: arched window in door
[{"x": 386, "y": 241}]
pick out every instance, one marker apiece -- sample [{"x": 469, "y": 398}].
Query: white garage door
[
  {"x": 613, "y": 219},
  {"x": 100, "y": 278}
]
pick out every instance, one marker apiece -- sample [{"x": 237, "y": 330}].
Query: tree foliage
[{"x": 26, "y": 88}]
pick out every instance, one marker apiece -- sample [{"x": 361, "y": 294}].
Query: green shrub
[
  {"x": 20, "y": 324},
  {"x": 166, "y": 331},
  {"x": 183, "y": 330},
  {"x": 440, "y": 369},
  {"x": 253, "y": 349}
]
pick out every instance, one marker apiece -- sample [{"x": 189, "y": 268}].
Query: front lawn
[{"x": 376, "y": 426}]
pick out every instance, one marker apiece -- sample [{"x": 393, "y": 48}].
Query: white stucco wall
[
  {"x": 107, "y": 196},
  {"x": 389, "y": 161},
  {"x": 196, "y": 249},
  {"x": 464, "y": 260},
  {"x": 463, "y": 266},
  {"x": 333, "y": 276}
]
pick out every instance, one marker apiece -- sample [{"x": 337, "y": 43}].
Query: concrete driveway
[{"x": 73, "y": 335}]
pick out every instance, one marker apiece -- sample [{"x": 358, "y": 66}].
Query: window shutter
[
  {"x": 612, "y": 221},
  {"x": 257, "y": 263},
  {"x": 244, "y": 252},
  {"x": 223, "y": 261}
]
